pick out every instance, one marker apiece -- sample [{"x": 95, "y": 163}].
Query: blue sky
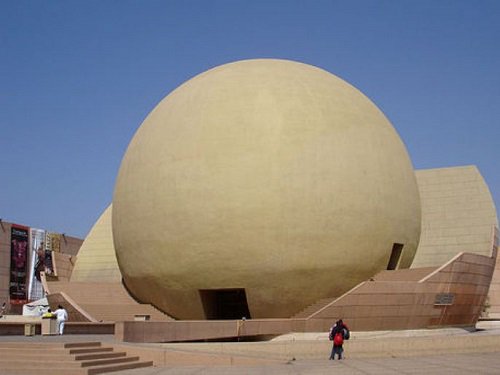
[{"x": 77, "y": 78}]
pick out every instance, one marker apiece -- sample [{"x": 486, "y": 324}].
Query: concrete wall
[
  {"x": 387, "y": 304},
  {"x": 69, "y": 246},
  {"x": 398, "y": 304},
  {"x": 494, "y": 294},
  {"x": 63, "y": 265},
  {"x": 97, "y": 259},
  {"x": 4, "y": 261},
  {"x": 458, "y": 214}
]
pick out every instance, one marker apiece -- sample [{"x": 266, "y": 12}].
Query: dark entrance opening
[
  {"x": 397, "y": 249},
  {"x": 222, "y": 304}
]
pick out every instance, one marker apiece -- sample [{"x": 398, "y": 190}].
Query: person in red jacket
[{"x": 338, "y": 333}]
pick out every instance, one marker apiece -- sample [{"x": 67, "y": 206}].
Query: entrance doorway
[
  {"x": 220, "y": 304},
  {"x": 397, "y": 249}
]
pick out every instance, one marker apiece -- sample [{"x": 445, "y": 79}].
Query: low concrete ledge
[
  {"x": 376, "y": 347},
  {"x": 162, "y": 357},
  {"x": 193, "y": 330},
  {"x": 16, "y": 328}
]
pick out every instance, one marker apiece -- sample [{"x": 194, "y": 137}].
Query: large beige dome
[{"x": 268, "y": 176}]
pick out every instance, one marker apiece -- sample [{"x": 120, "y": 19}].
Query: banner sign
[
  {"x": 53, "y": 241},
  {"x": 37, "y": 264},
  {"x": 50, "y": 243},
  {"x": 19, "y": 240}
]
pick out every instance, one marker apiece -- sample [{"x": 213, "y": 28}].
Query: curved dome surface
[{"x": 271, "y": 176}]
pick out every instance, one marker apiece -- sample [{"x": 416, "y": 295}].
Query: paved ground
[
  {"x": 443, "y": 364},
  {"x": 472, "y": 363}
]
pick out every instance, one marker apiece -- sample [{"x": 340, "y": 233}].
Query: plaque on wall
[{"x": 444, "y": 299}]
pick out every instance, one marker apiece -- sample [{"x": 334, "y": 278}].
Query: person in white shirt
[{"x": 62, "y": 316}]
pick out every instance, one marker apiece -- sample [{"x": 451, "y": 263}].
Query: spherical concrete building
[{"x": 259, "y": 187}]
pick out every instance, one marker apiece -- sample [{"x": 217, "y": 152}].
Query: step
[
  {"x": 73, "y": 358},
  {"x": 49, "y": 346},
  {"x": 41, "y": 363},
  {"x": 29, "y": 350},
  {"x": 311, "y": 309},
  {"x": 91, "y": 350},
  {"x": 43, "y": 371},
  {"x": 118, "y": 367},
  {"x": 7, "y": 364},
  {"x": 48, "y": 356},
  {"x": 32, "y": 345},
  {"x": 108, "y": 361},
  {"x": 82, "y": 344},
  {"x": 85, "y": 357},
  {"x": 39, "y": 356}
]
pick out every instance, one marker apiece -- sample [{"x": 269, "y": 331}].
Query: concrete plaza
[
  {"x": 471, "y": 363},
  {"x": 437, "y": 351}
]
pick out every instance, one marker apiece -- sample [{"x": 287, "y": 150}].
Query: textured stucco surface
[
  {"x": 458, "y": 214},
  {"x": 269, "y": 175},
  {"x": 492, "y": 310},
  {"x": 96, "y": 260}
]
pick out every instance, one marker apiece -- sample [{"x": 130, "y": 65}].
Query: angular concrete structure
[
  {"x": 97, "y": 258},
  {"x": 458, "y": 214}
]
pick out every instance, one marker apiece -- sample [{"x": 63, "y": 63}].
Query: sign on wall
[
  {"x": 53, "y": 241},
  {"x": 19, "y": 243},
  {"x": 37, "y": 264},
  {"x": 443, "y": 299}
]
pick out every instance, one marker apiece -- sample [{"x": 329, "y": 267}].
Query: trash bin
[
  {"x": 49, "y": 326},
  {"x": 29, "y": 329}
]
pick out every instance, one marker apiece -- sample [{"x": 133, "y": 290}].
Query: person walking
[
  {"x": 62, "y": 316},
  {"x": 338, "y": 333}
]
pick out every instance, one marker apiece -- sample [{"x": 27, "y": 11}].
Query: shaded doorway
[
  {"x": 397, "y": 249},
  {"x": 220, "y": 304}
]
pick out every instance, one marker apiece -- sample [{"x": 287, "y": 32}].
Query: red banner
[{"x": 19, "y": 244}]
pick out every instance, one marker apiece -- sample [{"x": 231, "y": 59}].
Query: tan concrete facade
[
  {"x": 97, "y": 258},
  {"x": 68, "y": 248},
  {"x": 63, "y": 265},
  {"x": 4, "y": 261},
  {"x": 458, "y": 214},
  {"x": 98, "y": 302},
  {"x": 395, "y": 302},
  {"x": 270, "y": 176},
  {"x": 493, "y": 302}
]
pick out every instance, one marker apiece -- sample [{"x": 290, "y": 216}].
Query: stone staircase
[
  {"x": 83, "y": 358},
  {"x": 399, "y": 275},
  {"x": 410, "y": 274},
  {"x": 311, "y": 309}
]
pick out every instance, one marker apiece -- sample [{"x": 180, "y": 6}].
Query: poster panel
[
  {"x": 19, "y": 240},
  {"x": 55, "y": 242},
  {"x": 48, "y": 267},
  {"x": 37, "y": 264}
]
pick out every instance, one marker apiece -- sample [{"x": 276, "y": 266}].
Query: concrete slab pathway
[{"x": 477, "y": 364}]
